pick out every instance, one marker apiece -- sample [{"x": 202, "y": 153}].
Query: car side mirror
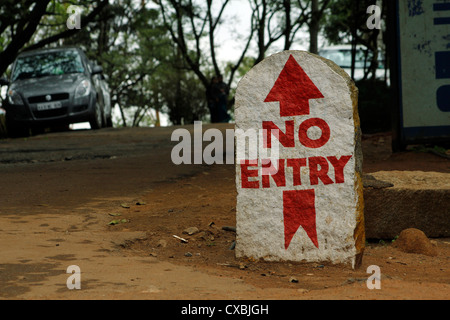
[
  {"x": 4, "y": 81},
  {"x": 97, "y": 70}
]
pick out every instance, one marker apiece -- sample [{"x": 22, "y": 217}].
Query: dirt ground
[
  {"x": 116, "y": 215},
  {"x": 201, "y": 209}
]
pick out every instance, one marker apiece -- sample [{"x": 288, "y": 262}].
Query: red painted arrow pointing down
[
  {"x": 299, "y": 210},
  {"x": 293, "y": 89}
]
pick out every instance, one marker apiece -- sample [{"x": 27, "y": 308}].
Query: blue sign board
[{"x": 423, "y": 47}]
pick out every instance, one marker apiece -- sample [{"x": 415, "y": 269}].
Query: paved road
[
  {"x": 72, "y": 167},
  {"x": 84, "y": 145}
]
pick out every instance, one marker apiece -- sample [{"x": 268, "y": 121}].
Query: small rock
[
  {"x": 413, "y": 240},
  {"x": 162, "y": 243},
  {"x": 191, "y": 230},
  {"x": 206, "y": 236},
  {"x": 151, "y": 289},
  {"x": 202, "y": 235},
  {"x": 229, "y": 228},
  {"x": 293, "y": 280},
  {"x": 370, "y": 181},
  {"x": 302, "y": 290},
  {"x": 188, "y": 254}
]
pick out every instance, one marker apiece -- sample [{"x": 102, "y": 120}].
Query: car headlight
[
  {"x": 83, "y": 89},
  {"x": 14, "y": 97}
]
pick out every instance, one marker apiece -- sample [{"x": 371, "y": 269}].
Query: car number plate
[{"x": 49, "y": 106}]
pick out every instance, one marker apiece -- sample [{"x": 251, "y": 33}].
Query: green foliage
[
  {"x": 346, "y": 16},
  {"x": 184, "y": 95},
  {"x": 439, "y": 150},
  {"x": 247, "y": 63},
  {"x": 346, "y": 23},
  {"x": 162, "y": 59},
  {"x": 142, "y": 65}
]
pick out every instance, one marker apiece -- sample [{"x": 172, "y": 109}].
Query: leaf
[
  {"x": 114, "y": 222},
  {"x": 114, "y": 214},
  {"x": 440, "y": 149}
]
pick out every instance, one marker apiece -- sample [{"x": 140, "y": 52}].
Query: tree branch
[
  {"x": 67, "y": 33},
  {"x": 21, "y": 38}
]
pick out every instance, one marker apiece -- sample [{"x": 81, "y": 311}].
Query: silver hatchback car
[{"x": 55, "y": 87}]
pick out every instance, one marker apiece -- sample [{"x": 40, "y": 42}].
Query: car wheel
[{"x": 96, "y": 118}]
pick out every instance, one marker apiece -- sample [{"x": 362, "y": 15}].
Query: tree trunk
[
  {"x": 288, "y": 27},
  {"x": 122, "y": 114},
  {"x": 314, "y": 27},
  {"x": 354, "y": 32},
  {"x": 261, "y": 33}
]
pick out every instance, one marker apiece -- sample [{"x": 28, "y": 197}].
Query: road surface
[{"x": 59, "y": 193}]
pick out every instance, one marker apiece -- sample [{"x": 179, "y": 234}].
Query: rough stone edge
[{"x": 359, "y": 233}]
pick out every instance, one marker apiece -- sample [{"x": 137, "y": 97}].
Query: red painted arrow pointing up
[
  {"x": 299, "y": 210},
  {"x": 293, "y": 89}
]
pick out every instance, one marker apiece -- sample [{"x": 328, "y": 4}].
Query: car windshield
[
  {"x": 343, "y": 58},
  {"x": 47, "y": 64}
]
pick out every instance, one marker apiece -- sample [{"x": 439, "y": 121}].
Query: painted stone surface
[{"x": 300, "y": 193}]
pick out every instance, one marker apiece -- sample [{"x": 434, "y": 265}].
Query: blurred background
[{"x": 158, "y": 57}]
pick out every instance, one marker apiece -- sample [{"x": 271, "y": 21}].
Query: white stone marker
[{"x": 305, "y": 204}]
